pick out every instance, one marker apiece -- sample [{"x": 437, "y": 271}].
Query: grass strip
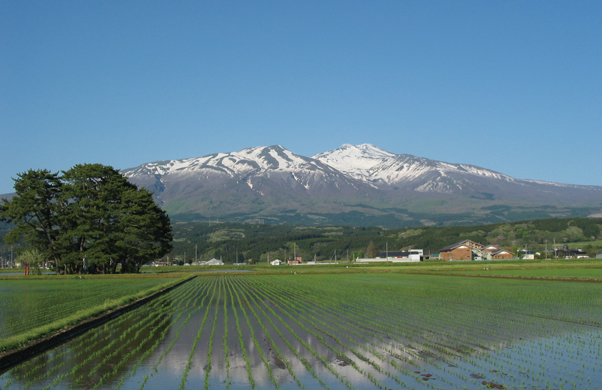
[{"x": 62, "y": 325}]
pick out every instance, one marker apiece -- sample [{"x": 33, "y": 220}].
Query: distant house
[
  {"x": 528, "y": 255},
  {"x": 276, "y": 262},
  {"x": 502, "y": 254},
  {"x": 599, "y": 256},
  {"x": 412, "y": 254},
  {"x": 461, "y": 250},
  {"x": 570, "y": 253},
  {"x": 295, "y": 262},
  {"x": 490, "y": 248},
  {"x": 214, "y": 262}
]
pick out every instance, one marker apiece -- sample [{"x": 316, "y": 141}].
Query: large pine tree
[{"x": 90, "y": 218}]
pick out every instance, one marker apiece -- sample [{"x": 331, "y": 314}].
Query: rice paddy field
[
  {"x": 27, "y": 304},
  {"x": 338, "y": 331}
]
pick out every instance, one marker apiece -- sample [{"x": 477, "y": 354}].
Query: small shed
[{"x": 276, "y": 262}]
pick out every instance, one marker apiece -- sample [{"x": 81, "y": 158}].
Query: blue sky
[{"x": 512, "y": 86}]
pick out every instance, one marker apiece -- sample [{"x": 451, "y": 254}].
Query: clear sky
[{"x": 513, "y": 86}]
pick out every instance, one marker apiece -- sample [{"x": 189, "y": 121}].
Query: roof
[
  {"x": 393, "y": 254},
  {"x": 458, "y": 244}
]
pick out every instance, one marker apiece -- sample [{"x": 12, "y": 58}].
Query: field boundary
[
  {"x": 10, "y": 358},
  {"x": 544, "y": 278}
]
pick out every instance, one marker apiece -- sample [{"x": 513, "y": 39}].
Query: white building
[
  {"x": 214, "y": 262},
  {"x": 276, "y": 262}
]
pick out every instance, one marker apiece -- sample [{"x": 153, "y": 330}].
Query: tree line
[
  {"x": 86, "y": 219},
  {"x": 239, "y": 242}
]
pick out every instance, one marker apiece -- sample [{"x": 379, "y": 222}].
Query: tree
[
  {"x": 35, "y": 212},
  {"x": 371, "y": 250},
  {"x": 34, "y": 258},
  {"x": 96, "y": 219}
]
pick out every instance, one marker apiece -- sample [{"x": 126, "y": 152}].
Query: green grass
[
  {"x": 580, "y": 244},
  {"x": 567, "y": 273},
  {"x": 34, "y": 307}
]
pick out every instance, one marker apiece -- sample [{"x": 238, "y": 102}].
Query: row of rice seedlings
[
  {"x": 196, "y": 339},
  {"x": 194, "y": 292},
  {"x": 74, "y": 345},
  {"x": 203, "y": 295},
  {"x": 225, "y": 337},
  {"x": 210, "y": 351},
  {"x": 292, "y": 349},
  {"x": 157, "y": 307},
  {"x": 64, "y": 299},
  {"x": 241, "y": 341},
  {"x": 251, "y": 297},
  {"x": 132, "y": 352},
  {"x": 338, "y": 319},
  {"x": 257, "y": 344},
  {"x": 348, "y": 384},
  {"x": 127, "y": 338}
]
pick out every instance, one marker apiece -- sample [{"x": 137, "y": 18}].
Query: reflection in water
[{"x": 230, "y": 331}]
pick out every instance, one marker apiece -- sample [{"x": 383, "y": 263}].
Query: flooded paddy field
[{"x": 337, "y": 331}]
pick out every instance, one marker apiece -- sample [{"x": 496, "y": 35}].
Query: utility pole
[
  {"x": 387, "y": 250},
  {"x": 195, "y": 253}
]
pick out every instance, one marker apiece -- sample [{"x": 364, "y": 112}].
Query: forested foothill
[
  {"x": 249, "y": 242},
  {"x": 86, "y": 219}
]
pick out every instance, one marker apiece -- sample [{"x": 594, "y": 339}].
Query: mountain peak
[{"x": 355, "y": 160}]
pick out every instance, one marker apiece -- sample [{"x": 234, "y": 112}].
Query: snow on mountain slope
[
  {"x": 257, "y": 159},
  {"x": 262, "y": 169},
  {"x": 404, "y": 168},
  {"x": 379, "y": 167},
  {"x": 356, "y": 161}
]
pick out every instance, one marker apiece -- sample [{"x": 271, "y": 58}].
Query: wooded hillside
[{"x": 254, "y": 242}]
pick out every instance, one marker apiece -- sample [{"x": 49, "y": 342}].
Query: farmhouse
[
  {"x": 276, "y": 262},
  {"x": 501, "y": 254},
  {"x": 214, "y": 262},
  {"x": 461, "y": 250}
]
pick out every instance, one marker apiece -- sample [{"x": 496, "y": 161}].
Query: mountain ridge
[{"x": 362, "y": 182}]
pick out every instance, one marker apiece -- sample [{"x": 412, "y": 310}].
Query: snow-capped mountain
[
  {"x": 271, "y": 181},
  {"x": 372, "y": 164},
  {"x": 256, "y": 178},
  {"x": 356, "y": 161}
]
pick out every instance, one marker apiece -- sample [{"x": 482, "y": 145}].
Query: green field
[
  {"x": 338, "y": 331},
  {"x": 567, "y": 273},
  {"x": 35, "y": 306},
  {"x": 580, "y": 244}
]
